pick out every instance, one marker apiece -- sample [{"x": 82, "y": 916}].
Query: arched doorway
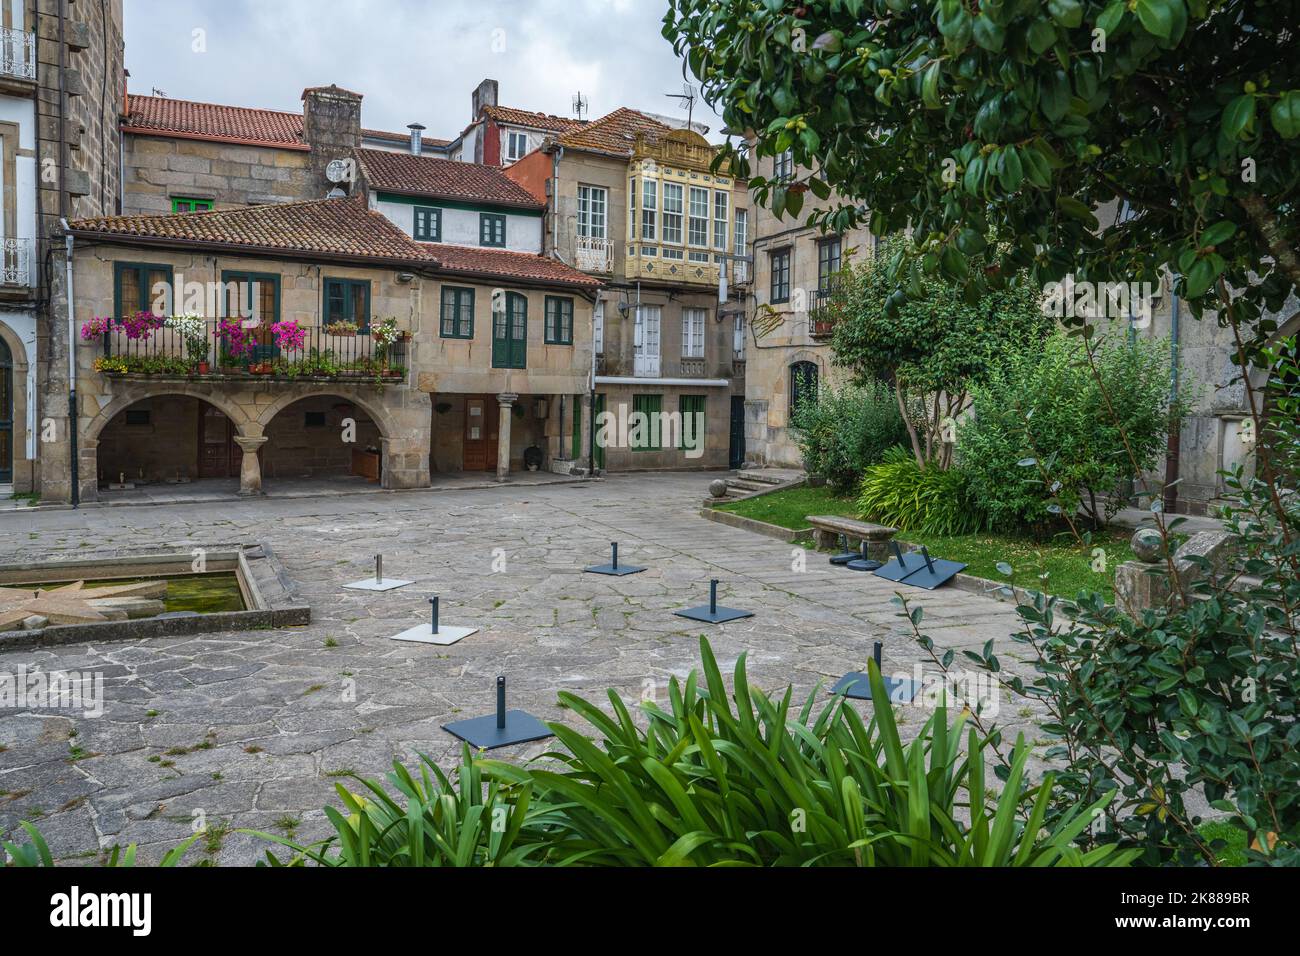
[
  {"x": 803, "y": 384},
  {"x": 322, "y": 437},
  {"x": 6, "y": 414},
  {"x": 168, "y": 438}
]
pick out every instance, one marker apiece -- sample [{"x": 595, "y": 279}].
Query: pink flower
[{"x": 289, "y": 336}]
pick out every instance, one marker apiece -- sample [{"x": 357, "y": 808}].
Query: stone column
[
  {"x": 250, "y": 469},
  {"x": 506, "y": 401}
]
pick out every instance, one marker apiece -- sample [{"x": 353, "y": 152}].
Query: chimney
[
  {"x": 485, "y": 94},
  {"x": 417, "y": 139},
  {"x": 331, "y": 125}
]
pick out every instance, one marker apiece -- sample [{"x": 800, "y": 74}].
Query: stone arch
[
  {"x": 378, "y": 413},
  {"x": 128, "y": 397}
]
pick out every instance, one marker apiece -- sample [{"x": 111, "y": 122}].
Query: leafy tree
[
  {"x": 1019, "y": 119},
  {"x": 841, "y": 431},
  {"x": 933, "y": 347}
]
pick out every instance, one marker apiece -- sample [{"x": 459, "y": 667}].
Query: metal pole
[
  {"x": 713, "y": 596},
  {"x": 898, "y": 553},
  {"x": 928, "y": 563},
  {"x": 501, "y": 702},
  {"x": 876, "y": 652},
  {"x": 614, "y": 548},
  {"x": 433, "y": 601},
  {"x": 379, "y": 570}
]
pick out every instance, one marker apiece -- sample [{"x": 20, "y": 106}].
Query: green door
[
  {"x": 510, "y": 333},
  {"x": 6, "y": 414},
  {"x": 599, "y": 447},
  {"x": 577, "y": 428}
]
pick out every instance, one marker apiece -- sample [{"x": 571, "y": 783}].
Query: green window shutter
[
  {"x": 651, "y": 406},
  {"x": 184, "y": 204},
  {"x": 348, "y": 300},
  {"x": 577, "y": 428},
  {"x": 427, "y": 226},
  {"x": 500, "y": 343},
  {"x": 690, "y": 407},
  {"x": 133, "y": 287},
  {"x": 457, "y": 317},
  {"x": 517, "y": 308},
  {"x": 558, "y": 323},
  {"x": 492, "y": 229}
]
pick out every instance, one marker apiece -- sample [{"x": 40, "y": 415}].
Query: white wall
[
  {"x": 22, "y": 112},
  {"x": 23, "y": 324},
  {"x": 460, "y": 226}
]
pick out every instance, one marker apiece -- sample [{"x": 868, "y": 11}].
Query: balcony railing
[
  {"x": 148, "y": 345},
  {"x": 593, "y": 255},
  {"x": 17, "y": 54},
  {"x": 823, "y": 313},
  {"x": 17, "y": 262}
]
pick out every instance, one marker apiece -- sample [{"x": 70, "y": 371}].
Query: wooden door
[
  {"x": 482, "y": 420},
  {"x": 219, "y": 456}
]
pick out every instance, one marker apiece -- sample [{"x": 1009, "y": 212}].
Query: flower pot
[{"x": 203, "y": 368}]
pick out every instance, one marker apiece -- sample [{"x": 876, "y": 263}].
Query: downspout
[
  {"x": 1173, "y": 451},
  {"x": 591, "y": 424},
  {"x": 72, "y": 365}
]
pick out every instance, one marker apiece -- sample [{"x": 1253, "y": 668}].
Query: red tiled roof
[
  {"x": 442, "y": 179},
  {"x": 405, "y": 138},
  {"x": 321, "y": 227},
  {"x": 329, "y": 228},
  {"x": 556, "y": 124},
  {"x": 471, "y": 260},
  {"x": 157, "y": 115},
  {"x": 614, "y": 134}
]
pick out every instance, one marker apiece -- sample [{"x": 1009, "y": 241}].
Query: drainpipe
[
  {"x": 72, "y": 365},
  {"x": 591, "y": 424},
  {"x": 1173, "y": 450}
]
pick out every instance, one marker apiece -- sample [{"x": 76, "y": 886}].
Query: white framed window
[
  {"x": 783, "y": 166},
  {"x": 516, "y": 146},
  {"x": 693, "y": 333},
  {"x": 593, "y": 201},
  {"x": 598, "y": 332},
  {"x": 673, "y": 213},
  {"x": 631, "y": 210},
  {"x": 649, "y": 203},
  {"x": 698, "y": 227},
  {"x": 738, "y": 337},
  {"x": 720, "y": 204},
  {"x": 741, "y": 272},
  {"x": 645, "y": 341}
]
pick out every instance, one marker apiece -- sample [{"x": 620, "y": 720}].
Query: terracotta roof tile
[
  {"x": 555, "y": 124},
  {"x": 159, "y": 115},
  {"x": 330, "y": 228},
  {"x": 442, "y": 179},
  {"x": 614, "y": 134}
]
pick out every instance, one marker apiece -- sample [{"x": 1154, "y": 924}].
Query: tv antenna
[
  {"x": 579, "y": 105},
  {"x": 687, "y": 98},
  {"x": 154, "y": 91}
]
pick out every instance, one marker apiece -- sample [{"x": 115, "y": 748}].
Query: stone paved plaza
[{"x": 255, "y": 729}]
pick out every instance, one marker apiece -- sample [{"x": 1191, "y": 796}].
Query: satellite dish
[{"x": 339, "y": 171}]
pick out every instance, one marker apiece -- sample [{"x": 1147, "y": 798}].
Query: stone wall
[
  {"x": 159, "y": 169},
  {"x": 298, "y": 449}
]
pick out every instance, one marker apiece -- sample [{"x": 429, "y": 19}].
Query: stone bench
[{"x": 828, "y": 528}]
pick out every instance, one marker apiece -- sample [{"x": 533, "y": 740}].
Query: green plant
[
  {"x": 1048, "y": 408},
  {"x": 900, "y": 493},
  {"x": 842, "y": 431},
  {"x": 36, "y": 852}
]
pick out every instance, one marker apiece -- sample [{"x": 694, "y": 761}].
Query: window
[
  {"x": 828, "y": 262},
  {"x": 738, "y": 337},
  {"x": 803, "y": 384},
  {"x": 348, "y": 300},
  {"x": 492, "y": 229},
  {"x": 742, "y": 244},
  {"x": 645, "y": 341},
  {"x": 251, "y": 295},
  {"x": 313, "y": 419},
  {"x": 598, "y": 321},
  {"x": 720, "y": 220},
  {"x": 516, "y": 146},
  {"x": 692, "y": 409},
  {"x": 780, "y": 276},
  {"x": 559, "y": 321},
  {"x": 698, "y": 228},
  {"x": 649, "y": 203},
  {"x": 427, "y": 226},
  {"x": 693, "y": 333},
  {"x": 646, "y": 436},
  {"x": 140, "y": 287},
  {"x": 783, "y": 166},
  {"x": 137, "y": 416},
  {"x": 592, "y": 203},
  {"x": 457, "y": 320},
  {"x": 510, "y": 333},
  {"x": 186, "y": 204},
  {"x": 673, "y": 213}
]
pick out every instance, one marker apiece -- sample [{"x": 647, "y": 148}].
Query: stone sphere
[
  {"x": 718, "y": 488},
  {"x": 1148, "y": 545}
]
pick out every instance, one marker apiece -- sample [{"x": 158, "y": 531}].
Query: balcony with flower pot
[{"x": 190, "y": 347}]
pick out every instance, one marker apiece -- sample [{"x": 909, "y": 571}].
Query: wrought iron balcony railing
[
  {"x": 17, "y": 54},
  {"x": 822, "y": 313},
  {"x": 593, "y": 255},
  {"x": 17, "y": 262},
  {"x": 149, "y": 345}
]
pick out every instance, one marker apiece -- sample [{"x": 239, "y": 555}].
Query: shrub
[
  {"x": 900, "y": 493},
  {"x": 843, "y": 431},
  {"x": 1048, "y": 436}
]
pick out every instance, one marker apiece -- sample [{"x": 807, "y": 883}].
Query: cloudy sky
[{"x": 413, "y": 60}]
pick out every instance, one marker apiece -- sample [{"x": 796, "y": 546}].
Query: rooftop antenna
[
  {"x": 687, "y": 98},
  {"x": 580, "y": 105},
  {"x": 154, "y": 91}
]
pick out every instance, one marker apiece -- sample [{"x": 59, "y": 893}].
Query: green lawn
[
  {"x": 1067, "y": 564},
  {"x": 1234, "y": 852}
]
